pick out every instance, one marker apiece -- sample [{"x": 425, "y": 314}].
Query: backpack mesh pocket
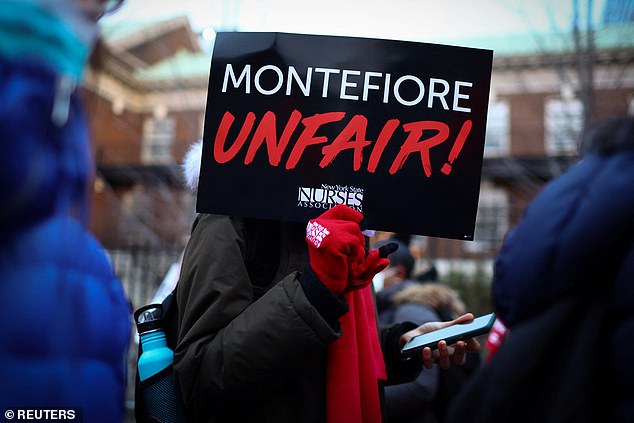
[{"x": 162, "y": 400}]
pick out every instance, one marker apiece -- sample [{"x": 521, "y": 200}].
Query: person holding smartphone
[
  {"x": 300, "y": 346},
  {"x": 402, "y": 298}
]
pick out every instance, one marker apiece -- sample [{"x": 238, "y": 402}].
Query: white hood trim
[{"x": 191, "y": 165}]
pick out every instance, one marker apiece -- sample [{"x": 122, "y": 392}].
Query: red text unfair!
[{"x": 353, "y": 136}]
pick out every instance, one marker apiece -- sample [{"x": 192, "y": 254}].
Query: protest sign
[{"x": 298, "y": 123}]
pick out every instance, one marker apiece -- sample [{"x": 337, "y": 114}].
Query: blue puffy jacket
[
  {"x": 65, "y": 325},
  {"x": 578, "y": 235},
  {"x": 64, "y": 319}
]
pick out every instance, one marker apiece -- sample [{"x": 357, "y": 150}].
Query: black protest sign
[{"x": 298, "y": 123}]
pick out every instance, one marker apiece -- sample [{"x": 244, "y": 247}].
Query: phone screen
[{"x": 451, "y": 334}]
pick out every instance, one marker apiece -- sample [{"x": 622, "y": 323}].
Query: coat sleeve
[
  {"x": 230, "y": 346},
  {"x": 407, "y": 399},
  {"x": 398, "y": 370}
]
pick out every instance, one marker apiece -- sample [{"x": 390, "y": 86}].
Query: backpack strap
[
  {"x": 170, "y": 319},
  {"x": 263, "y": 242}
]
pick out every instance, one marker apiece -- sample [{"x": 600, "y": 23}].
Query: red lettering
[
  {"x": 414, "y": 144},
  {"x": 457, "y": 146},
  {"x": 353, "y": 136},
  {"x": 266, "y": 130},
  {"x": 307, "y": 136},
  {"x": 357, "y": 128},
  {"x": 385, "y": 135},
  {"x": 222, "y": 156}
]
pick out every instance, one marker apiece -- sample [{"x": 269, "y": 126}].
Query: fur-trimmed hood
[
  {"x": 191, "y": 165},
  {"x": 433, "y": 295}
]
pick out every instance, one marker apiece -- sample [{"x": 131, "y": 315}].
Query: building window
[
  {"x": 497, "y": 132},
  {"x": 492, "y": 220},
  {"x": 158, "y": 136},
  {"x": 563, "y": 123}
]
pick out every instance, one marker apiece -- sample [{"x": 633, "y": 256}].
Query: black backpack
[{"x": 262, "y": 260}]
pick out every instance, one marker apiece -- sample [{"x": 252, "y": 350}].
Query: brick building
[{"x": 147, "y": 101}]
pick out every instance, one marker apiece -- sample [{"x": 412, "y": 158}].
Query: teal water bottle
[
  {"x": 156, "y": 355},
  {"x": 162, "y": 401}
]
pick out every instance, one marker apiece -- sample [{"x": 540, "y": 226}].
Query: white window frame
[
  {"x": 497, "y": 139},
  {"x": 563, "y": 123},
  {"x": 158, "y": 137},
  {"x": 492, "y": 220}
]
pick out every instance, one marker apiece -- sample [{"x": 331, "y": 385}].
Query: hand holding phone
[{"x": 450, "y": 334}]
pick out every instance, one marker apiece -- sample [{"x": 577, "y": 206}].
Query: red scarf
[{"x": 355, "y": 364}]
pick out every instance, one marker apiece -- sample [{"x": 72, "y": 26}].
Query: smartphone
[{"x": 451, "y": 334}]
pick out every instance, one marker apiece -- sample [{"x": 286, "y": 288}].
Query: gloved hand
[
  {"x": 334, "y": 238},
  {"x": 363, "y": 272},
  {"x": 337, "y": 250}
]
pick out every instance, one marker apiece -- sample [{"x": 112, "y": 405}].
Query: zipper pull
[{"x": 64, "y": 87}]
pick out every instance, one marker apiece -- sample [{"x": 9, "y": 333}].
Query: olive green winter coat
[{"x": 239, "y": 359}]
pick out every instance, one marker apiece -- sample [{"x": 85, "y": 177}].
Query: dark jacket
[
  {"x": 427, "y": 398},
  {"x": 242, "y": 360},
  {"x": 411, "y": 401},
  {"x": 577, "y": 236}
]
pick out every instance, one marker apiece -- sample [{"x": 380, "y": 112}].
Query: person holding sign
[{"x": 277, "y": 321}]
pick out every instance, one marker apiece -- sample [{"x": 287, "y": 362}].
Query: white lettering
[
  {"x": 457, "y": 96},
  {"x": 327, "y": 72},
  {"x": 345, "y": 84},
  {"x": 246, "y": 75},
  {"x": 441, "y": 95},
  {"x": 367, "y": 85},
  {"x": 305, "y": 87},
  {"x": 351, "y": 82},
  {"x": 386, "y": 90},
  {"x": 280, "y": 79},
  {"x": 397, "y": 94}
]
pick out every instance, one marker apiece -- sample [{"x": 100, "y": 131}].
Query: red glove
[
  {"x": 335, "y": 243},
  {"x": 372, "y": 264},
  {"x": 363, "y": 271}
]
